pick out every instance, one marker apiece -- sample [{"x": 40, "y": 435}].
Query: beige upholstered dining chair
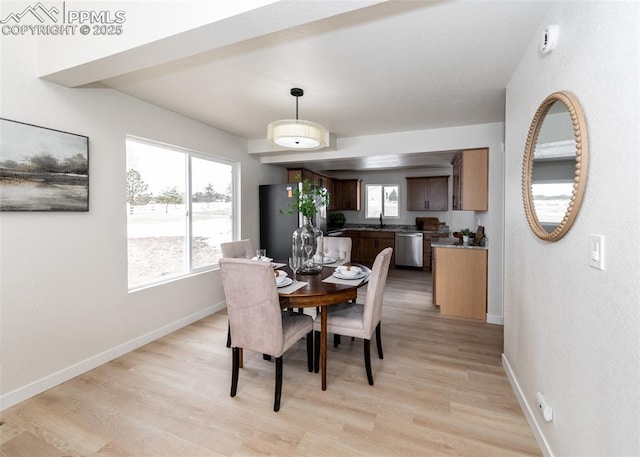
[
  {"x": 334, "y": 244},
  {"x": 360, "y": 321},
  {"x": 237, "y": 250},
  {"x": 241, "y": 249},
  {"x": 257, "y": 322}
]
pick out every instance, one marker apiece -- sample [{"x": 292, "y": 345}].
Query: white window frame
[
  {"x": 235, "y": 208},
  {"x": 366, "y": 205}
]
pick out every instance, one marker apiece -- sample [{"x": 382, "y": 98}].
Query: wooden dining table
[{"x": 317, "y": 293}]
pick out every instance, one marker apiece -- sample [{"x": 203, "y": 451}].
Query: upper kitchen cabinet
[
  {"x": 428, "y": 194},
  {"x": 327, "y": 183},
  {"x": 314, "y": 178},
  {"x": 295, "y": 174},
  {"x": 346, "y": 194},
  {"x": 471, "y": 180}
]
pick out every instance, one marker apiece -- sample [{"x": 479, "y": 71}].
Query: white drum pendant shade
[{"x": 296, "y": 134}]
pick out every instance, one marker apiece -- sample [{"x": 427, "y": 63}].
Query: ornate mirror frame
[{"x": 580, "y": 174}]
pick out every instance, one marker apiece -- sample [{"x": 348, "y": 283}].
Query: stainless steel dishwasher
[{"x": 408, "y": 249}]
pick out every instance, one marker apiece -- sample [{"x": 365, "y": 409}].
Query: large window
[
  {"x": 382, "y": 200},
  {"x": 179, "y": 209}
]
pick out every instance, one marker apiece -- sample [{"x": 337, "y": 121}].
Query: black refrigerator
[{"x": 276, "y": 230}]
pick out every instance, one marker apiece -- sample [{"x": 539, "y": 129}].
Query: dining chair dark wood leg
[
  {"x": 316, "y": 347},
  {"x": 235, "y": 369},
  {"x": 310, "y": 351},
  {"x": 337, "y": 339},
  {"x": 278, "y": 393},
  {"x": 228, "y": 335},
  {"x": 367, "y": 360},
  {"x": 379, "y": 341}
]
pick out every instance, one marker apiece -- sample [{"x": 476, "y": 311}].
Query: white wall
[
  {"x": 63, "y": 276},
  {"x": 571, "y": 331}
]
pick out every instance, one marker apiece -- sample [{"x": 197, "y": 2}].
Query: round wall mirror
[{"x": 554, "y": 171}]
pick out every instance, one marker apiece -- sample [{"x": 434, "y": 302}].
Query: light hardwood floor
[{"x": 440, "y": 391}]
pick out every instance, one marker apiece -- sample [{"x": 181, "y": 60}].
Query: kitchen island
[{"x": 460, "y": 278}]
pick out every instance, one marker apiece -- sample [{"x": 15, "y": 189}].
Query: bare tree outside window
[
  {"x": 382, "y": 200},
  {"x": 170, "y": 233}
]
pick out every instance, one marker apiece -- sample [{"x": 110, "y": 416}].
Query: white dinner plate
[
  {"x": 348, "y": 271},
  {"x": 325, "y": 260},
  {"x": 285, "y": 283},
  {"x": 280, "y": 277},
  {"x": 264, "y": 259},
  {"x": 341, "y": 276}
]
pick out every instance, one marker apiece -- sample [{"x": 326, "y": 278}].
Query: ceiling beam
[{"x": 122, "y": 58}]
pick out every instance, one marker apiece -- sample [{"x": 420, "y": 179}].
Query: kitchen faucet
[{"x": 381, "y": 220}]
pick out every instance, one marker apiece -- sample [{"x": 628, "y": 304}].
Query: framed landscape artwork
[{"x": 42, "y": 169}]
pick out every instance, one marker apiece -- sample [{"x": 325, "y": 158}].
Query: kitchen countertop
[
  {"x": 385, "y": 228},
  {"x": 454, "y": 243}
]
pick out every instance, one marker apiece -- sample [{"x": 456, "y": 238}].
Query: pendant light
[{"x": 296, "y": 133}]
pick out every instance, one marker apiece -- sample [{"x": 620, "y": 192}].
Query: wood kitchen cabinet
[
  {"x": 311, "y": 176},
  {"x": 426, "y": 252},
  {"x": 355, "y": 243},
  {"x": 428, "y": 193},
  {"x": 372, "y": 242},
  {"x": 471, "y": 180},
  {"x": 427, "y": 258},
  {"x": 367, "y": 244},
  {"x": 460, "y": 281},
  {"x": 295, "y": 174},
  {"x": 344, "y": 194},
  {"x": 347, "y": 194},
  {"x": 328, "y": 184}
]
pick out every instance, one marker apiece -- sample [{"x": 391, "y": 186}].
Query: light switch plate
[{"x": 596, "y": 251}]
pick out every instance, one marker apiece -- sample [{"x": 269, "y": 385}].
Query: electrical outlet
[{"x": 545, "y": 407}]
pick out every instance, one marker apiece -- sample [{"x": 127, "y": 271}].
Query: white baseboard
[
  {"x": 30, "y": 390},
  {"x": 495, "y": 319},
  {"x": 532, "y": 419}
]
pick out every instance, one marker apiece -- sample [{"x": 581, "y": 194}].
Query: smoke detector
[{"x": 549, "y": 39}]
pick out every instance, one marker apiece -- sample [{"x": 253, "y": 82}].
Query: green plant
[
  {"x": 337, "y": 219},
  {"x": 306, "y": 199},
  {"x": 465, "y": 232}
]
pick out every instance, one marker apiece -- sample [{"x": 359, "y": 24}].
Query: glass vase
[{"x": 305, "y": 243}]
